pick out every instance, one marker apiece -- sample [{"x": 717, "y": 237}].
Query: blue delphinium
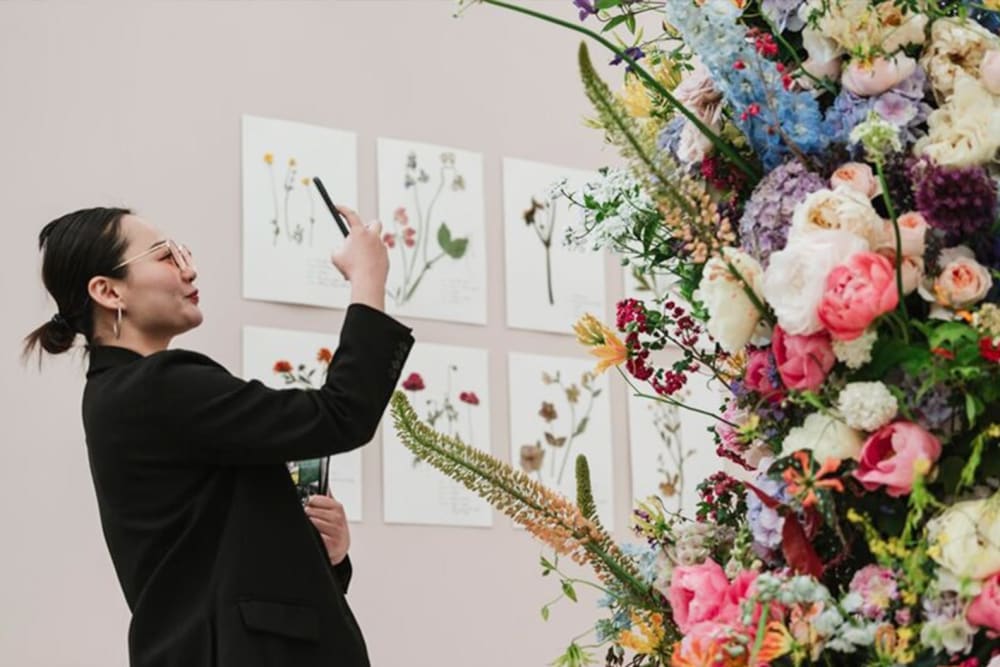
[{"x": 775, "y": 120}]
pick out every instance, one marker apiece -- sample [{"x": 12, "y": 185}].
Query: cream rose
[
  {"x": 955, "y": 52},
  {"x": 795, "y": 279},
  {"x": 826, "y": 437},
  {"x": 874, "y": 77},
  {"x": 900, "y": 29},
  {"x": 732, "y": 315},
  {"x": 965, "y": 538},
  {"x": 966, "y": 130},
  {"x": 857, "y": 176},
  {"x": 842, "y": 208}
]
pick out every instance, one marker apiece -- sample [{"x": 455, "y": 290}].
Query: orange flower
[
  {"x": 803, "y": 485},
  {"x": 604, "y": 344},
  {"x": 645, "y": 636},
  {"x": 777, "y": 642},
  {"x": 324, "y": 355}
]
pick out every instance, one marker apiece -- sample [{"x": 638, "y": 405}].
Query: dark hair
[{"x": 76, "y": 247}]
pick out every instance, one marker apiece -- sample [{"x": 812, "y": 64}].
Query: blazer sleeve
[{"x": 217, "y": 418}]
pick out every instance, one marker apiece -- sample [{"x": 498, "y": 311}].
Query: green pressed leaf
[
  {"x": 545, "y": 613},
  {"x": 454, "y": 248},
  {"x": 581, "y": 427}
]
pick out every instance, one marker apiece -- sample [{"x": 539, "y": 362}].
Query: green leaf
[
  {"x": 630, "y": 22},
  {"x": 581, "y": 427},
  {"x": 949, "y": 333},
  {"x": 614, "y": 23},
  {"x": 607, "y": 4},
  {"x": 973, "y": 407},
  {"x": 568, "y": 590},
  {"x": 547, "y": 566},
  {"x": 545, "y": 613},
  {"x": 454, "y": 248}
]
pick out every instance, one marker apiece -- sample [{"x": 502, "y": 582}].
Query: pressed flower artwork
[
  {"x": 288, "y": 234},
  {"x": 430, "y": 202},
  {"x": 298, "y": 360}
]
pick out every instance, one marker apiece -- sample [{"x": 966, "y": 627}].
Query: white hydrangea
[
  {"x": 855, "y": 353},
  {"x": 867, "y": 406}
]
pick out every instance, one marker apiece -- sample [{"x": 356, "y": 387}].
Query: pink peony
[
  {"x": 697, "y": 594},
  {"x": 803, "y": 361},
  {"x": 985, "y": 609},
  {"x": 893, "y": 455},
  {"x": 856, "y": 293},
  {"x": 877, "y": 75}
]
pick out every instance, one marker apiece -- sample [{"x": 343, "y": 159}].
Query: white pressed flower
[{"x": 867, "y": 406}]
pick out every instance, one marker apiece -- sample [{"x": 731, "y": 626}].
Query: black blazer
[{"x": 217, "y": 560}]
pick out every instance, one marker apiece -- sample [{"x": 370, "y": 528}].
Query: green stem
[
  {"x": 899, "y": 239},
  {"x": 672, "y": 401},
  {"x": 724, "y": 147}
]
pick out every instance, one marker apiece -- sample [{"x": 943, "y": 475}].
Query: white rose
[
  {"x": 824, "y": 54},
  {"x": 901, "y": 29},
  {"x": 966, "y": 130},
  {"x": 955, "y": 52},
  {"x": 965, "y": 539},
  {"x": 842, "y": 208},
  {"x": 795, "y": 279},
  {"x": 732, "y": 315},
  {"x": 826, "y": 437}
]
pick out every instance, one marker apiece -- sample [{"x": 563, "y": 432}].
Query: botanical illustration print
[
  {"x": 290, "y": 220},
  {"x": 671, "y": 453},
  {"x": 541, "y": 216},
  {"x": 440, "y": 410},
  {"x": 307, "y": 475},
  {"x": 413, "y": 224},
  {"x": 576, "y": 401}
]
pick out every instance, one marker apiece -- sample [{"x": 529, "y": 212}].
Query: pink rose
[
  {"x": 857, "y": 176},
  {"x": 759, "y": 377},
  {"x": 912, "y": 233},
  {"x": 985, "y": 609},
  {"x": 892, "y": 455},
  {"x": 867, "y": 78},
  {"x": 803, "y": 361},
  {"x": 697, "y": 593},
  {"x": 856, "y": 293},
  {"x": 989, "y": 71}
]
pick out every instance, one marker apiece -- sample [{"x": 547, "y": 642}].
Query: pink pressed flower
[
  {"x": 413, "y": 383},
  {"x": 469, "y": 397}
]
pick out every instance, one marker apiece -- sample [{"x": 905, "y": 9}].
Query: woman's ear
[{"x": 104, "y": 293}]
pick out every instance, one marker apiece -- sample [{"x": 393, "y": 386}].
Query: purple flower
[
  {"x": 959, "y": 201},
  {"x": 633, "y": 52},
  {"x": 586, "y": 8},
  {"x": 765, "y": 523},
  {"x": 768, "y": 213}
]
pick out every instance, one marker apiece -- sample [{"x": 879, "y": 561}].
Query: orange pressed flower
[
  {"x": 282, "y": 366},
  {"x": 324, "y": 355},
  {"x": 804, "y": 485}
]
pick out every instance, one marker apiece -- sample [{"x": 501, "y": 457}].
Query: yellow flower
[
  {"x": 291, "y": 162},
  {"x": 604, "y": 344},
  {"x": 645, "y": 636},
  {"x": 635, "y": 98},
  {"x": 269, "y": 158},
  {"x": 306, "y": 181}
]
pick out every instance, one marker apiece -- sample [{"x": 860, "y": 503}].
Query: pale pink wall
[{"x": 139, "y": 104}]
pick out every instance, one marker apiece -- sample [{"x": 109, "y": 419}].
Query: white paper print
[
  {"x": 284, "y": 359},
  {"x": 430, "y": 202},
  {"x": 671, "y": 448},
  {"x": 288, "y": 233},
  {"x": 647, "y": 285},
  {"x": 549, "y": 286},
  {"x": 448, "y": 388},
  {"x": 559, "y": 410}
]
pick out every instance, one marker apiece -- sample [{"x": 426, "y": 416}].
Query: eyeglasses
[{"x": 179, "y": 254}]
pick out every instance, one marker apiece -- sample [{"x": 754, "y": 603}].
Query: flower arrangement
[{"x": 819, "y": 180}]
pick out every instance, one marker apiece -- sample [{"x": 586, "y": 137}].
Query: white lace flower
[
  {"x": 855, "y": 353},
  {"x": 867, "y": 406}
]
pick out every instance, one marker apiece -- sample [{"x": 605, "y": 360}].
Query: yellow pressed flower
[
  {"x": 604, "y": 344},
  {"x": 306, "y": 181},
  {"x": 269, "y": 158},
  {"x": 291, "y": 162}
]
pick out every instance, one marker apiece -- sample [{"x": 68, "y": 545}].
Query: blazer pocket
[{"x": 280, "y": 618}]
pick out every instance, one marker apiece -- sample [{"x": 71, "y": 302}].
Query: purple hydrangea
[
  {"x": 902, "y": 105},
  {"x": 959, "y": 201},
  {"x": 768, "y": 213},
  {"x": 933, "y": 409}
]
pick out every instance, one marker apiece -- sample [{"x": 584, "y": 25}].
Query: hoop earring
[{"x": 118, "y": 323}]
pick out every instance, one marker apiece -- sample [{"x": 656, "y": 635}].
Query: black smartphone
[{"x": 338, "y": 218}]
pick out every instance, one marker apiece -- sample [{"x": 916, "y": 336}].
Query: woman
[{"x": 216, "y": 559}]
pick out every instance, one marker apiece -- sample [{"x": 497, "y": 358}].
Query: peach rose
[
  {"x": 962, "y": 282},
  {"x": 803, "y": 361},
  {"x": 913, "y": 233},
  {"x": 911, "y": 266},
  {"x": 874, "y": 77},
  {"x": 985, "y": 609},
  {"x": 893, "y": 455},
  {"x": 858, "y": 176},
  {"x": 856, "y": 293}
]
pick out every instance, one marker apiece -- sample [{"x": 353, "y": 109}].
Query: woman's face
[{"x": 159, "y": 295}]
